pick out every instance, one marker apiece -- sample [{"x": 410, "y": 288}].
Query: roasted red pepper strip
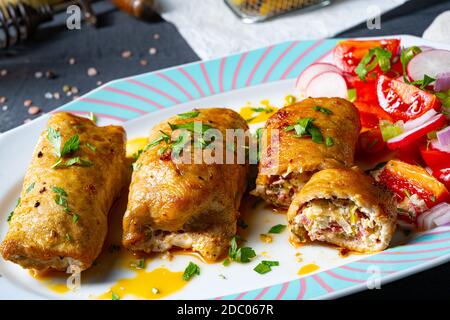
[
  {"x": 434, "y": 158},
  {"x": 405, "y": 179}
]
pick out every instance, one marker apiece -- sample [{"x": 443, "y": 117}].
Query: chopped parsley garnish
[
  {"x": 315, "y": 133},
  {"x": 71, "y": 145},
  {"x": 114, "y": 296},
  {"x": 75, "y": 218},
  {"x": 379, "y": 166},
  {"x": 407, "y": 193},
  {"x": 243, "y": 254},
  {"x": 68, "y": 237},
  {"x": 55, "y": 139},
  {"x": 305, "y": 128},
  {"x": 241, "y": 224},
  {"x": 323, "y": 110},
  {"x": 190, "y": 126},
  {"x": 329, "y": 142},
  {"x": 12, "y": 212},
  {"x": 376, "y": 56},
  {"x": 191, "y": 270},
  {"x": 59, "y": 191},
  {"x": 188, "y": 115},
  {"x": 164, "y": 137},
  {"x": 425, "y": 82},
  {"x": 91, "y": 146},
  {"x": 177, "y": 145},
  {"x": 278, "y": 228},
  {"x": 260, "y": 109},
  {"x": 92, "y": 117},
  {"x": 226, "y": 262},
  {"x": 71, "y": 162},
  {"x": 140, "y": 264},
  {"x": 351, "y": 94},
  {"x": 30, "y": 187},
  {"x": 137, "y": 154},
  {"x": 61, "y": 198},
  {"x": 266, "y": 266}
]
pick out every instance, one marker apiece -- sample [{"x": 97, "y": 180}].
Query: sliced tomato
[
  {"x": 434, "y": 158},
  {"x": 404, "y": 101},
  {"x": 371, "y": 141},
  {"x": 405, "y": 179},
  {"x": 348, "y": 53}
]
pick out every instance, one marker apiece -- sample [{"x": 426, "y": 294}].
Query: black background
[{"x": 101, "y": 48}]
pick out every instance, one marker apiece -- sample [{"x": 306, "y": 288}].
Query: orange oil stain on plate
[
  {"x": 57, "y": 287},
  {"x": 258, "y": 114},
  {"x": 53, "y": 280},
  {"x": 149, "y": 285},
  {"x": 136, "y": 144},
  {"x": 308, "y": 268}
]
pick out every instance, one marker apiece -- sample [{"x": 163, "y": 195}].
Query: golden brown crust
[
  {"x": 42, "y": 235},
  {"x": 354, "y": 185},
  {"x": 186, "y": 198},
  {"x": 298, "y": 155}
]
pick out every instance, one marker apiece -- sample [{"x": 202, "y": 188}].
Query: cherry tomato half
[
  {"x": 404, "y": 101},
  {"x": 348, "y": 53}
]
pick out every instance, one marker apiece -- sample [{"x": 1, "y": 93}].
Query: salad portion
[{"x": 403, "y": 98}]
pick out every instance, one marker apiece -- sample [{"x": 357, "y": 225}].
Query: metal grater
[{"x": 250, "y": 11}]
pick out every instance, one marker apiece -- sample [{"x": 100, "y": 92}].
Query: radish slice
[
  {"x": 437, "y": 145},
  {"x": 442, "y": 81},
  {"x": 444, "y": 137},
  {"x": 411, "y": 124},
  {"x": 435, "y": 217},
  {"x": 403, "y": 140},
  {"x": 431, "y": 63},
  {"x": 311, "y": 71},
  {"x": 327, "y": 84}
]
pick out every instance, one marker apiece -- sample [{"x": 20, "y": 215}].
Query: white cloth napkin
[
  {"x": 439, "y": 30},
  {"x": 212, "y": 30}
]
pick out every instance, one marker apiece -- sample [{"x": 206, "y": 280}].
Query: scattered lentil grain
[
  {"x": 34, "y": 110},
  {"x": 92, "y": 72},
  {"x": 126, "y": 54}
]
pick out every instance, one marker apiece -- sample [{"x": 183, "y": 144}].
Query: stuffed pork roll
[
  {"x": 314, "y": 134},
  {"x": 175, "y": 204},
  {"x": 76, "y": 172},
  {"x": 344, "y": 207}
]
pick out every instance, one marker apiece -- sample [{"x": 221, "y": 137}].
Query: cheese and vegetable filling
[{"x": 346, "y": 208}]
